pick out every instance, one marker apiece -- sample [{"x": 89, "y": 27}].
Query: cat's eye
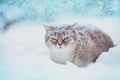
[
  {"x": 53, "y": 39},
  {"x": 67, "y": 38}
]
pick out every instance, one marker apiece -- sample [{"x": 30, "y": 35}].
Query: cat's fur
[{"x": 78, "y": 44}]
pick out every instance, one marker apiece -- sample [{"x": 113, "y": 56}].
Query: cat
[{"x": 79, "y": 44}]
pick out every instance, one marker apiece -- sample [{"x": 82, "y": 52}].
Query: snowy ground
[{"x": 24, "y": 56}]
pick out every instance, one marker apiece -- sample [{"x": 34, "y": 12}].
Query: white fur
[{"x": 61, "y": 55}]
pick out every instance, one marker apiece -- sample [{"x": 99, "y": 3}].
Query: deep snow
[{"x": 24, "y": 55}]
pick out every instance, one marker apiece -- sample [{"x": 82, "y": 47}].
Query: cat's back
[
  {"x": 91, "y": 42},
  {"x": 90, "y": 33}
]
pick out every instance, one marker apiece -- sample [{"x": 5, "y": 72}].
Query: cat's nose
[{"x": 59, "y": 43}]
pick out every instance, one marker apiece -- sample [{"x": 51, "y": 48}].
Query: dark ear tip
[
  {"x": 75, "y": 23},
  {"x": 73, "y": 26},
  {"x": 46, "y": 27}
]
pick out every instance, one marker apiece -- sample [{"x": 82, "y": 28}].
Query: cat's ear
[
  {"x": 73, "y": 27},
  {"x": 46, "y": 27}
]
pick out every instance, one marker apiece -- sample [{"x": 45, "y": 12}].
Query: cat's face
[{"x": 60, "y": 38}]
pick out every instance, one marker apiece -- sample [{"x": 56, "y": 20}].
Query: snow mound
[{"x": 24, "y": 55}]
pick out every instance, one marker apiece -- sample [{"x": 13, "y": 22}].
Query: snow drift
[{"x": 24, "y": 55}]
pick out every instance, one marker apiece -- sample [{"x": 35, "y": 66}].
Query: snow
[{"x": 24, "y": 55}]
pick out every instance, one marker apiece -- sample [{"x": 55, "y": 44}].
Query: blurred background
[{"x": 48, "y": 10}]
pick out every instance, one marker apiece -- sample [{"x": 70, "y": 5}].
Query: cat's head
[{"x": 60, "y": 37}]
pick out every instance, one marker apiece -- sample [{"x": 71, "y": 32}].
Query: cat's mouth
[{"x": 60, "y": 47}]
